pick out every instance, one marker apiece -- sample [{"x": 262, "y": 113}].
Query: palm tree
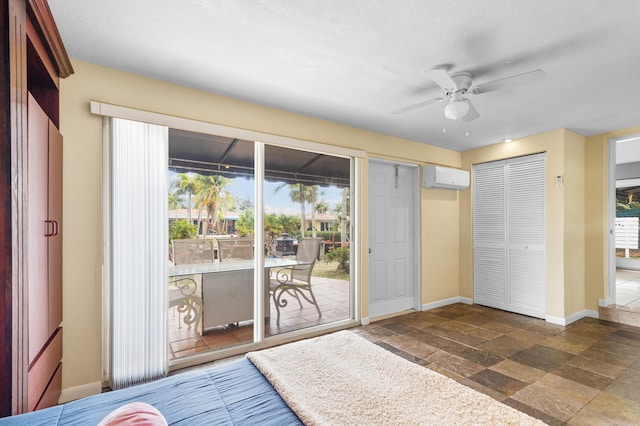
[
  {"x": 344, "y": 216},
  {"x": 272, "y": 226},
  {"x": 322, "y": 207},
  {"x": 312, "y": 193},
  {"x": 175, "y": 201},
  {"x": 208, "y": 196},
  {"x": 187, "y": 185},
  {"x": 295, "y": 193},
  {"x": 299, "y": 193},
  {"x": 228, "y": 203}
]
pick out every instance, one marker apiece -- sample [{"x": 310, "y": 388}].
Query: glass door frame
[{"x": 261, "y": 139}]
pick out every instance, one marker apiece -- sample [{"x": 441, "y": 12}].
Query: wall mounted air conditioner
[{"x": 444, "y": 177}]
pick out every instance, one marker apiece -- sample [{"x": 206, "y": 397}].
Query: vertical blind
[{"x": 138, "y": 252}]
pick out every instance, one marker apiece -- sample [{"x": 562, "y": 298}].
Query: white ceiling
[{"x": 353, "y": 62}]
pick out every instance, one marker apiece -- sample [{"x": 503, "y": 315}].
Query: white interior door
[
  {"x": 489, "y": 235},
  {"x": 509, "y": 235},
  {"x": 526, "y": 235},
  {"x": 393, "y": 234}
]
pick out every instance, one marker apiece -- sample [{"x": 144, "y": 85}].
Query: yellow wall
[
  {"x": 596, "y": 214},
  {"x": 574, "y": 236},
  {"x": 83, "y": 203},
  {"x": 440, "y": 244},
  {"x": 553, "y": 143}
]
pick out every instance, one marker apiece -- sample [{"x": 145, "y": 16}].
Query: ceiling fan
[{"x": 456, "y": 86}]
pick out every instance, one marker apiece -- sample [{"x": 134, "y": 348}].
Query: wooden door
[
  {"x": 37, "y": 228},
  {"x": 44, "y": 258},
  {"x": 54, "y": 241}
]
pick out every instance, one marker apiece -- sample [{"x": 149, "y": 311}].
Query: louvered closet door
[
  {"x": 526, "y": 235},
  {"x": 509, "y": 235},
  {"x": 489, "y": 239}
]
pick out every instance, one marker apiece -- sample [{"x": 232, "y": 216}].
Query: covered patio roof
[{"x": 232, "y": 158}]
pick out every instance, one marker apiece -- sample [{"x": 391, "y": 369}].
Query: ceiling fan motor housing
[{"x": 462, "y": 81}]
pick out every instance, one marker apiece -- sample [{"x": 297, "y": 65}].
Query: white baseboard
[
  {"x": 555, "y": 320},
  {"x": 572, "y": 318},
  {"x": 549, "y": 318},
  {"x": 445, "y": 302},
  {"x": 77, "y": 392},
  {"x": 365, "y": 321}
]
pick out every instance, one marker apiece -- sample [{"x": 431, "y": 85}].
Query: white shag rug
[{"x": 343, "y": 379}]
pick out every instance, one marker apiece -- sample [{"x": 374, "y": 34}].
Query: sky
[
  {"x": 279, "y": 202},
  {"x": 275, "y": 202}
]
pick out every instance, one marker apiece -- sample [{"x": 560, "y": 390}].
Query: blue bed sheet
[{"x": 235, "y": 393}]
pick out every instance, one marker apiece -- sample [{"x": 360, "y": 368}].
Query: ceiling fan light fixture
[{"x": 456, "y": 109}]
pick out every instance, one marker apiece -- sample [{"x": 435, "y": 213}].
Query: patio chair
[
  {"x": 235, "y": 249},
  {"x": 296, "y": 280},
  {"x": 182, "y": 296},
  {"x": 185, "y": 252},
  {"x": 183, "y": 291}
]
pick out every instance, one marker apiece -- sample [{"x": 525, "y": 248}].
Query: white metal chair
[
  {"x": 183, "y": 297},
  {"x": 184, "y": 291},
  {"x": 296, "y": 280}
]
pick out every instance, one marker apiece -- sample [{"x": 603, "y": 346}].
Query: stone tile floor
[
  {"x": 627, "y": 307},
  {"x": 587, "y": 373}
]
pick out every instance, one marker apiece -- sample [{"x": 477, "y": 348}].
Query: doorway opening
[{"x": 624, "y": 218}]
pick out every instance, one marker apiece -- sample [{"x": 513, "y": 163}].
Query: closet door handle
[
  {"x": 49, "y": 229},
  {"x": 52, "y": 228}
]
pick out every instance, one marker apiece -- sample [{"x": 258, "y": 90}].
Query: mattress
[{"x": 235, "y": 393}]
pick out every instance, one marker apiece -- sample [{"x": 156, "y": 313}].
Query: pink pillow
[{"x": 134, "y": 413}]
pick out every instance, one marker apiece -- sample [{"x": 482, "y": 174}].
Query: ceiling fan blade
[
  {"x": 415, "y": 106},
  {"x": 472, "y": 114},
  {"x": 441, "y": 77},
  {"x": 512, "y": 81}
]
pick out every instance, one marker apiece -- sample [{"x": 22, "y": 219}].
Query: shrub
[
  {"x": 340, "y": 255},
  {"x": 181, "y": 230},
  {"x": 328, "y": 235}
]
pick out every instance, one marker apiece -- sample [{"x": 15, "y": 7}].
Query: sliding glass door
[
  {"x": 300, "y": 230},
  {"x": 211, "y": 198},
  {"x": 240, "y": 240},
  {"x": 306, "y": 223}
]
